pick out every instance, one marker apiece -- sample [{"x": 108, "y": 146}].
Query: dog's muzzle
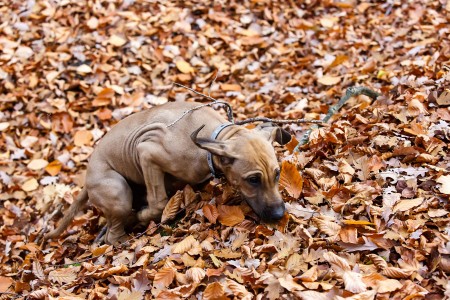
[{"x": 273, "y": 212}]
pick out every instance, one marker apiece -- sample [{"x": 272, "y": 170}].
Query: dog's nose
[{"x": 275, "y": 213}]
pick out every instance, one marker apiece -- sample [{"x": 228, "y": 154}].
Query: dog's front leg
[{"x": 154, "y": 182}]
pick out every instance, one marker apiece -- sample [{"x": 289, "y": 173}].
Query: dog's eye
[
  {"x": 254, "y": 180},
  {"x": 277, "y": 175}
]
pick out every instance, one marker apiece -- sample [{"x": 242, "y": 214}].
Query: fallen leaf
[
  {"x": 5, "y": 284},
  {"x": 37, "y": 164},
  {"x": 444, "y": 98},
  {"x": 84, "y": 69},
  {"x": 230, "y": 215},
  {"x": 210, "y": 212},
  {"x": 164, "y": 277},
  {"x": 291, "y": 179},
  {"x": 117, "y": 41},
  {"x": 172, "y": 207},
  {"x": 406, "y": 205},
  {"x": 63, "y": 276},
  {"x": 329, "y": 80},
  {"x": 444, "y": 180},
  {"x": 214, "y": 291},
  {"x": 185, "y": 245},
  {"x": 184, "y": 66},
  {"x": 195, "y": 274},
  {"x": 54, "y": 167},
  {"x": 82, "y": 138},
  {"x": 30, "y": 185}
]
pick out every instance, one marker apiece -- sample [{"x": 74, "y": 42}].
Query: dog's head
[{"x": 247, "y": 160}]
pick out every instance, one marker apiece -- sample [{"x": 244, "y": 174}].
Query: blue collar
[{"x": 214, "y": 135}]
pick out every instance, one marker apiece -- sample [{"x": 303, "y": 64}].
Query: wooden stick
[
  {"x": 288, "y": 121},
  {"x": 351, "y": 92}
]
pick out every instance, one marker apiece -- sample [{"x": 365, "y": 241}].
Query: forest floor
[{"x": 367, "y": 198}]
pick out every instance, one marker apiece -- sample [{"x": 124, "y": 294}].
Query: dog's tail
[{"x": 76, "y": 206}]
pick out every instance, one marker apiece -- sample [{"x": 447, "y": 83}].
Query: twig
[
  {"x": 288, "y": 121},
  {"x": 351, "y": 92}
]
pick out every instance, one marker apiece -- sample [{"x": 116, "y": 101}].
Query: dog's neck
[{"x": 222, "y": 132}]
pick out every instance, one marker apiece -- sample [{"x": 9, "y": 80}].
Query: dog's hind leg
[{"x": 113, "y": 196}]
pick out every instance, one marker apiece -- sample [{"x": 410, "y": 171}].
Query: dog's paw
[{"x": 144, "y": 215}]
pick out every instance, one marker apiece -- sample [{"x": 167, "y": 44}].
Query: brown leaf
[
  {"x": 195, "y": 274},
  {"x": 185, "y": 245},
  {"x": 5, "y": 284},
  {"x": 330, "y": 228},
  {"x": 104, "y": 97},
  {"x": 444, "y": 98},
  {"x": 230, "y": 87},
  {"x": 214, "y": 291},
  {"x": 184, "y": 66},
  {"x": 210, "y": 212},
  {"x": 291, "y": 179},
  {"x": 63, "y": 276},
  {"x": 38, "y": 271},
  {"x": 37, "y": 164},
  {"x": 62, "y": 122},
  {"x": 164, "y": 277},
  {"x": 397, "y": 273},
  {"x": 82, "y": 138},
  {"x": 54, "y": 167},
  {"x": 406, "y": 205},
  {"x": 172, "y": 207},
  {"x": 329, "y": 80},
  {"x": 230, "y": 215}
]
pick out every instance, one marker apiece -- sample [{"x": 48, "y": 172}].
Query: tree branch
[
  {"x": 351, "y": 92},
  {"x": 289, "y": 121}
]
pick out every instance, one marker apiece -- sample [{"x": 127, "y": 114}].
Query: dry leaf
[
  {"x": 82, "y": 138},
  {"x": 172, "y": 207},
  {"x": 444, "y": 180},
  {"x": 5, "y": 284},
  {"x": 117, "y": 41},
  {"x": 63, "y": 276},
  {"x": 210, "y": 212},
  {"x": 185, "y": 245},
  {"x": 213, "y": 291},
  {"x": 444, "y": 98},
  {"x": 195, "y": 274},
  {"x": 37, "y": 164},
  {"x": 38, "y": 271},
  {"x": 164, "y": 277},
  {"x": 30, "y": 185},
  {"x": 291, "y": 179},
  {"x": 230, "y": 215},
  {"x": 406, "y": 205},
  {"x": 184, "y": 66},
  {"x": 84, "y": 69},
  {"x": 328, "y": 227},
  {"x": 54, "y": 167},
  {"x": 329, "y": 80}
]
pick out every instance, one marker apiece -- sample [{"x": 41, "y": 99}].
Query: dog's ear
[
  {"x": 215, "y": 147},
  {"x": 274, "y": 133}
]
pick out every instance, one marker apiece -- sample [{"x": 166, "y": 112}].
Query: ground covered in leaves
[{"x": 367, "y": 197}]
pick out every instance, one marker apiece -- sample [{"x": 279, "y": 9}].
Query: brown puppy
[{"x": 144, "y": 148}]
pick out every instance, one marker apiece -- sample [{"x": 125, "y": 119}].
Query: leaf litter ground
[{"x": 367, "y": 197}]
